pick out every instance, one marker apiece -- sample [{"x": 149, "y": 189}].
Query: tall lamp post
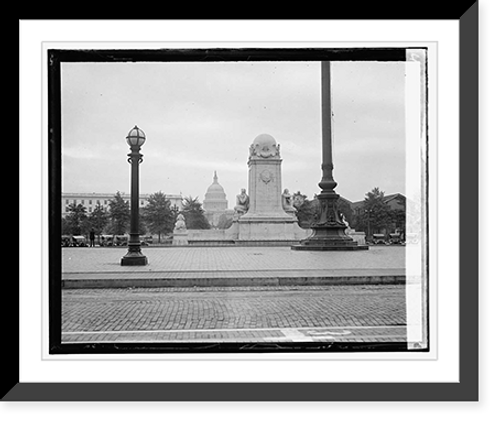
[
  {"x": 329, "y": 230},
  {"x": 134, "y": 257},
  {"x": 369, "y": 211}
]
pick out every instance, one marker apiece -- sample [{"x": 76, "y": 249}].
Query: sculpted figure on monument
[
  {"x": 242, "y": 203},
  {"x": 348, "y": 229},
  {"x": 180, "y": 223},
  {"x": 298, "y": 200},
  {"x": 286, "y": 199}
]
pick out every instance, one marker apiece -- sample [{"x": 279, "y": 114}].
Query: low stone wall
[
  {"x": 214, "y": 237},
  {"x": 210, "y": 235},
  {"x": 359, "y": 237},
  {"x": 230, "y": 236}
]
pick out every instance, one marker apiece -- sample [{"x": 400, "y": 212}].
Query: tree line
[
  {"x": 157, "y": 217},
  {"x": 374, "y": 216}
]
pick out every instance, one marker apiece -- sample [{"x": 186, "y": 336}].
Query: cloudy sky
[{"x": 201, "y": 117}]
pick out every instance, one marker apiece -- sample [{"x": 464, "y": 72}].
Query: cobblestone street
[{"x": 361, "y": 313}]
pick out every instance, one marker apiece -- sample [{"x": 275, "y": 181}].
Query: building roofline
[
  {"x": 108, "y": 195},
  {"x": 386, "y": 199}
]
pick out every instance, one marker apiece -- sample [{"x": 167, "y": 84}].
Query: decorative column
[
  {"x": 329, "y": 230},
  {"x": 134, "y": 257}
]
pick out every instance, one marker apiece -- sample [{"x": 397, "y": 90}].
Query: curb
[{"x": 229, "y": 282}]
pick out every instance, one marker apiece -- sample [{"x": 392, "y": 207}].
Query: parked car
[
  {"x": 378, "y": 239},
  {"x": 106, "y": 241},
  {"x": 66, "y": 241},
  {"x": 78, "y": 241},
  {"x": 395, "y": 238},
  {"x": 121, "y": 240},
  {"x": 412, "y": 238},
  {"x": 146, "y": 240}
]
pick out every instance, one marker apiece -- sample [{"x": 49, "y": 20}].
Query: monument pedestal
[
  {"x": 272, "y": 228},
  {"x": 266, "y": 218},
  {"x": 180, "y": 238}
]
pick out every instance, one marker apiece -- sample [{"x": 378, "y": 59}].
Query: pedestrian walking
[{"x": 92, "y": 238}]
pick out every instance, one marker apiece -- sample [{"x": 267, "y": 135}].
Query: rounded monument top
[
  {"x": 264, "y": 139},
  {"x": 265, "y": 146}
]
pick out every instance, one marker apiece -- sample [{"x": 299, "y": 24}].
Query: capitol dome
[{"x": 215, "y": 197}]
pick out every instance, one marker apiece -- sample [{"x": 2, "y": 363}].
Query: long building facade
[{"x": 92, "y": 200}]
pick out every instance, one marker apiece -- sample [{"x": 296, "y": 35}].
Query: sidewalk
[{"x": 231, "y": 266}]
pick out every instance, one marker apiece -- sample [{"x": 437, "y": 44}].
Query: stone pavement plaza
[
  {"x": 230, "y": 266},
  {"x": 234, "y": 294}
]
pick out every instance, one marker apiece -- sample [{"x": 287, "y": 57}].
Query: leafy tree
[
  {"x": 158, "y": 214},
  {"x": 143, "y": 228},
  {"x": 75, "y": 220},
  {"x": 376, "y": 214},
  {"x": 65, "y": 228},
  {"x": 398, "y": 216},
  {"x": 119, "y": 213},
  {"x": 194, "y": 214},
  {"x": 98, "y": 220}
]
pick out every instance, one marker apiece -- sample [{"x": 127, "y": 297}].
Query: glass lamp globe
[{"x": 136, "y": 137}]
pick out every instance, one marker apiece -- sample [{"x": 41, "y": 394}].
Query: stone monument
[
  {"x": 269, "y": 211},
  {"x": 180, "y": 231}
]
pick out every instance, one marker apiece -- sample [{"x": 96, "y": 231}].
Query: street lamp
[
  {"x": 134, "y": 257},
  {"x": 329, "y": 231},
  {"x": 369, "y": 211}
]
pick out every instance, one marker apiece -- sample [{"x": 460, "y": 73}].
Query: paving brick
[{"x": 232, "y": 314}]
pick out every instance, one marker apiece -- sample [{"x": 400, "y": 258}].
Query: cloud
[{"x": 201, "y": 117}]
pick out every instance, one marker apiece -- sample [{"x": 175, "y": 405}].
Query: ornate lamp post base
[
  {"x": 329, "y": 232},
  {"x": 134, "y": 258},
  {"x": 325, "y": 242}
]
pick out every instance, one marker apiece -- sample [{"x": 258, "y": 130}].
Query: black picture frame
[{"x": 464, "y": 390}]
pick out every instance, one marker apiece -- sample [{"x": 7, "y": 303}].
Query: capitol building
[{"x": 215, "y": 203}]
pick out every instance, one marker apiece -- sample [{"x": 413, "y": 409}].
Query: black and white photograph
[
  {"x": 249, "y": 212},
  {"x": 239, "y": 200}
]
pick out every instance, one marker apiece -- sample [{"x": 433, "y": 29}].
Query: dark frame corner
[{"x": 465, "y": 391}]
